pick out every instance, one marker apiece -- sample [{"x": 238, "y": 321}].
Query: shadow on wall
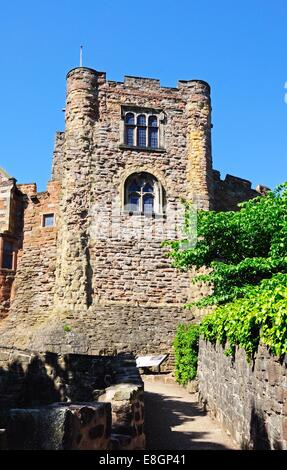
[
  {"x": 259, "y": 438},
  {"x": 31, "y": 386},
  {"x": 50, "y": 401},
  {"x": 47, "y": 379},
  {"x": 88, "y": 269}
]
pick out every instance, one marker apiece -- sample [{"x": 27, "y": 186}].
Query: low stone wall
[
  {"x": 38, "y": 389},
  {"x": 58, "y": 427},
  {"x": 127, "y": 416},
  {"x": 249, "y": 399}
]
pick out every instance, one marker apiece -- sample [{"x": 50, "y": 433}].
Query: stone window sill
[
  {"x": 153, "y": 215},
  {"x": 142, "y": 149}
]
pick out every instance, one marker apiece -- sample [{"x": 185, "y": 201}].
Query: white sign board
[{"x": 150, "y": 361}]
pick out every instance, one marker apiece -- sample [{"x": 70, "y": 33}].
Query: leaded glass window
[
  {"x": 130, "y": 118},
  {"x": 129, "y": 135},
  {"x": 148, "y": 203},
  {"x": 134, "y": 202},
  {"x": 140, "y": 192},
  {"x": 141, "y": 130},
  {"x": 152, "y": 132},
  {"x": 129, "y": 128},
  {"x": 141, "y": 120}
]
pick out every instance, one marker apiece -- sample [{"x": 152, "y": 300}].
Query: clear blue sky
[{"x": 238, "y": 47}]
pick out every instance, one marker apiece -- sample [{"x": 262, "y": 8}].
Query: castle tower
[
  {"x": 72, "y": 286},
  {"x": 199, "y": 168},
  {"x": 118, "y": 136}
]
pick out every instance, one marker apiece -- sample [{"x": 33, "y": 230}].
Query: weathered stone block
[{"x": 57, "y": 427}]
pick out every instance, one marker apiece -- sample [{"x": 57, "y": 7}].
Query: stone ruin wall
[
  {"x": 32, "y": 288},
  {"x": 34, "y": 283},
  {"x": 249, "y": 399},
  {"x": 231, "y": 191},
  {"x": 70, "y": 402},
  {"x": 11, "y": 217}
]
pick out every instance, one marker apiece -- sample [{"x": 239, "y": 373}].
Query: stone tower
[
  {"x": 92, "y": 274},
  {"x": 96, "y": 161}
]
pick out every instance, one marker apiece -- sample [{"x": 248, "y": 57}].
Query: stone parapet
[{"x": 57, "y": 162}]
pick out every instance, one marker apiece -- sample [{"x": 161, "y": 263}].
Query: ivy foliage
[
  {"x": 186, "y": 351},
  {"x": 246, "y": 252},
  {"x": 261, "y": 315}
]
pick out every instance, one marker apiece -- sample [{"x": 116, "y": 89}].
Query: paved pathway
[{"x": 174, "y": 421}]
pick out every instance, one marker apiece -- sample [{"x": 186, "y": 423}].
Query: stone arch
[{"x": 143, "y": 169}]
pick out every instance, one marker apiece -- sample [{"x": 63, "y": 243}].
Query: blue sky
[{"x": 238, "y": 47}]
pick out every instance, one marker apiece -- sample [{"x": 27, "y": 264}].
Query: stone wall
[
  {"x": 230, "y": 191},
  {"x": 100, "y": 330},
  {"x": 11, "y": 227},
  {"x": 6, "y": 283},
  {"x": 248, "y": 399},
  {"x": 60, "y": 426},
  {"x": 57, "y": 161},
  {"x": 84, "y": 402},
  {"x": 34, "y": 282}
]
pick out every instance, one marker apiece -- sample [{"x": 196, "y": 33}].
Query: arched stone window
[{"x": 143, "y": 194}]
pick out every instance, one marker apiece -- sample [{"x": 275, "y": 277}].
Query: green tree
[{"x": 246, "y": 251}]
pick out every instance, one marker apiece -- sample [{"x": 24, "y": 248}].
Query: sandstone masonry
[
  {"x": 248, "y": 398},
  {"x": 70, "y": 402},
  {"x": 96, "y": 278}
]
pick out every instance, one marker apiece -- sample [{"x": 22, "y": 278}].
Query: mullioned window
[{"x": 142, "y": 130}]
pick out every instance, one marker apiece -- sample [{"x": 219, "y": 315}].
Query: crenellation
[
  {"x": 141, "y": 82},
  {"x": 57, "y": 161},
  {"x": 231, "y": 191}
]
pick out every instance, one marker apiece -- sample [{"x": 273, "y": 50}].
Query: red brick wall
[{"x": 34, "y": 279}]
